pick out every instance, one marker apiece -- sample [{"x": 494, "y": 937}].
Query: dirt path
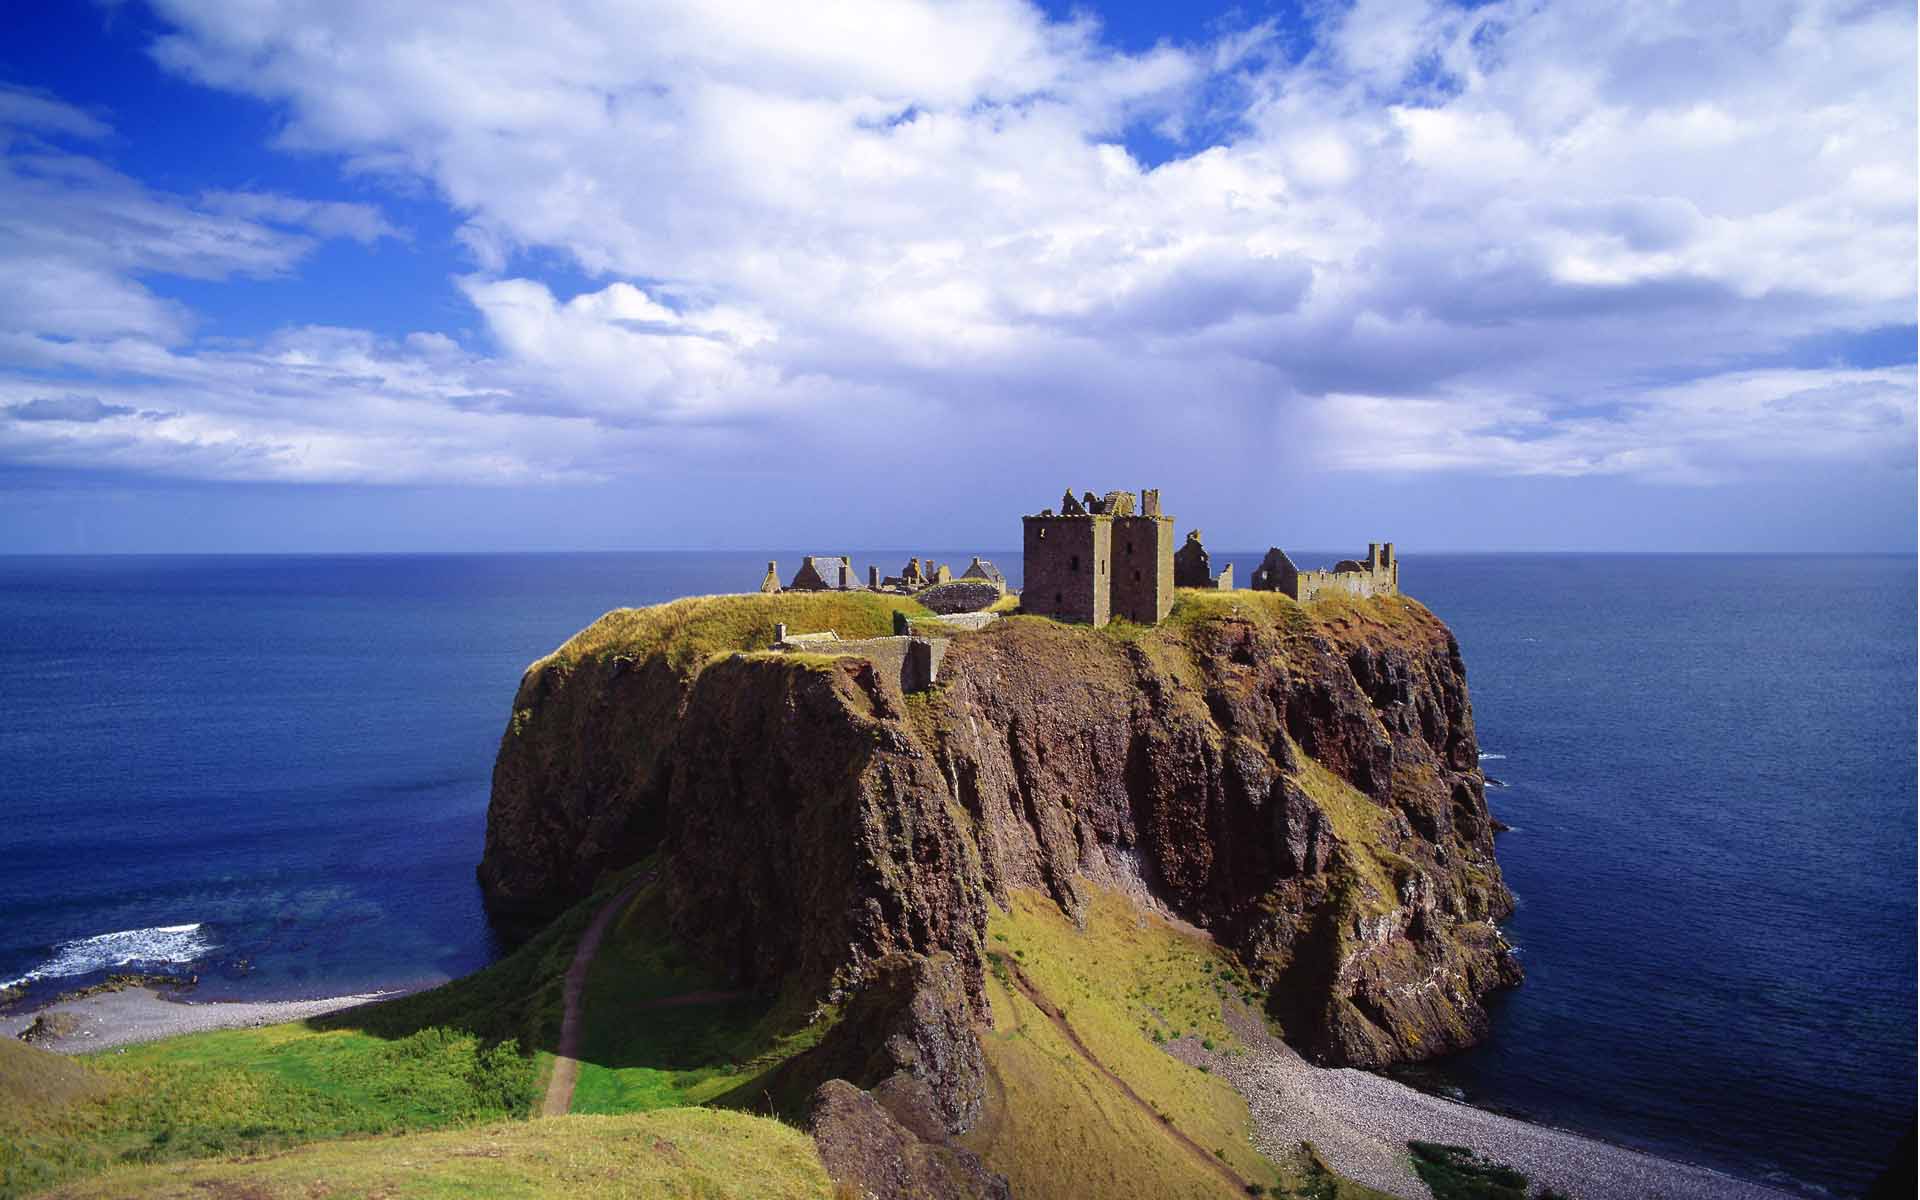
[
  {"x": 566, "y": 1059},
  {"x": 1047, "y": 1009}
]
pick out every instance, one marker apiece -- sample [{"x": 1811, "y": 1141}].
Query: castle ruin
[
  {"x": 1098, "y": 559},
  {"x": 911, "y": 660},
  {"x": 986, "y": 572},
  {"x": 1378, "y": 576},
  {"x": 1193, "y": 568},
  {"x": 820, "y": 573}
]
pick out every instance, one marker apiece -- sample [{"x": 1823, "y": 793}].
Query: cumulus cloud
[{"x": 1514, "y": 238}]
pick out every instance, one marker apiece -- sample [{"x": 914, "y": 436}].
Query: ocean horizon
[{"x": 271, "y": 771}]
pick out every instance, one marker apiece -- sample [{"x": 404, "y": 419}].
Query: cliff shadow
[{"x": 519, "y": 999}]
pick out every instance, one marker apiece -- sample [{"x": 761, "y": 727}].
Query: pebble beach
[
  {"x": 108, "y": 1019},
  {"x": 1361, "y": 1123}
]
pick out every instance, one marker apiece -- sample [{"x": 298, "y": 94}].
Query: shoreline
[
  {"x": 132, "y": 1015},
  {"x": 1360, "y": 1123}
]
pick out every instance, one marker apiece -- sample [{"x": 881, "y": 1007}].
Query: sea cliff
[{"x": 1299, "y": 781}]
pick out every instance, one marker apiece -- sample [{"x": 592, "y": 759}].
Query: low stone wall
[
  {"x": 960, "y": 596},
  {"x": 910, "y": 661}
]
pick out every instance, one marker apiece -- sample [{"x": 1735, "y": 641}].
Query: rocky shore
[
  {"x": 1361, "y": 1123},
  {"x": 107, "y": 1019}
]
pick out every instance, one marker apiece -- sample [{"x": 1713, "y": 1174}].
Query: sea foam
[{"x": 155, "y": 945}]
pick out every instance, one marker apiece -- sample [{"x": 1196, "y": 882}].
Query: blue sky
[{"x": 369, "y": 275}]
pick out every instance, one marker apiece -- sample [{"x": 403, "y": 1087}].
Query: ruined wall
[
  {"x": 1143, "y": 568},
  {"x": 1192, "y": 565},
  {"x": 1276, "y": 573},
  {"x": 1068, "y": 566},
  {"x": 821, "y": 573},
  {"x": 911, "y": 663},
  {"x": 1378, "y": 576}
]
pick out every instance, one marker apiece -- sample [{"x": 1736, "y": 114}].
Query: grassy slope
[
  {"x": 641, "y": 1054},
  {"x": 458, "y": 1054},
  {"x": 1056, "y": 1126},
  {"x": 246, "y": 1091},
  {"x": 686, "y": 1153}
]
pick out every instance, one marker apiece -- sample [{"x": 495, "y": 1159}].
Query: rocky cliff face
[{"x": 1300, "y": 782}]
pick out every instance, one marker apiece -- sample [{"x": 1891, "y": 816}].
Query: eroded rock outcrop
[
  {"x": 1301, "y": 782},
  {"x": 870, "y": 1151}
]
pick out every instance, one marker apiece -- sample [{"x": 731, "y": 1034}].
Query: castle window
[
  {"x": 1129, "y": 549},
  {"x": 1136, "y": 576},
  {"x": 1058, "y": 600},
  {"x": 1075, "y": 564},
  {"x": 1042, "y": 531}
]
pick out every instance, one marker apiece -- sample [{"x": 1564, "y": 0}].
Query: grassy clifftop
[
  {"x": 678, "y": 1154},
  {"x": 688, "y": 631}
]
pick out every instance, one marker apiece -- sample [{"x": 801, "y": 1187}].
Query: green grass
[
  {"x": 1386, "y": 616},
  {"x": 687, "y": 632},
  {"x": 1359, "y": 823},
  {"x": 684, "y": 1154},
  {"x": 640, "y": 1055},
  {"x": 251, "y": 1091},
  {"x": 1058, "y": 1127},
  {"x": 1267, "y": 610},
  {"x": 458, "y": 1054},
  {"x": 1457, "y": 1173}
]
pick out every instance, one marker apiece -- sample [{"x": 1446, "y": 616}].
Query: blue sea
[{"x": 273, "y": 772}]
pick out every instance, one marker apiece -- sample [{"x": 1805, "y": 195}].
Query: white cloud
[
  {"x": 1706, "y": 430},
  {"x": 324, "y": 218},
  {"x": 77, "y": 236},
  {"x": 21, "y": 109},
  {"x": 1453, "y": 233}
]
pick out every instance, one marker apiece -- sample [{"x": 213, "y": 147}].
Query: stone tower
[
  {"x": 1143, "y": 564},
  {"x": 1098, "y": 559}
]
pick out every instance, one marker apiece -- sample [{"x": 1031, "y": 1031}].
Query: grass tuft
[{"x": 1457, "y": 1173}]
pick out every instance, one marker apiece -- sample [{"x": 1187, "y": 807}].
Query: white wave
[
  {"x": 1484, "y": 756},
  {"x": 156, "y": 945}
]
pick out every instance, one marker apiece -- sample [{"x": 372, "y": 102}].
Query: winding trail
[
  {"x": 566, "y": 1059},
  {"x": 1047, "y": 1009}
]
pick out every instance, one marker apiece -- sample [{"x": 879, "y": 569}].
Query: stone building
[
  {"x": 822, "y": 573},
  {"x": 1378, "y": 576},
  {"x": 1193, "y": 568},
  {"x": 1098, "y": 559},
  {"x": 983, "y": 570},
  {"x": 771, "y": 581}
]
